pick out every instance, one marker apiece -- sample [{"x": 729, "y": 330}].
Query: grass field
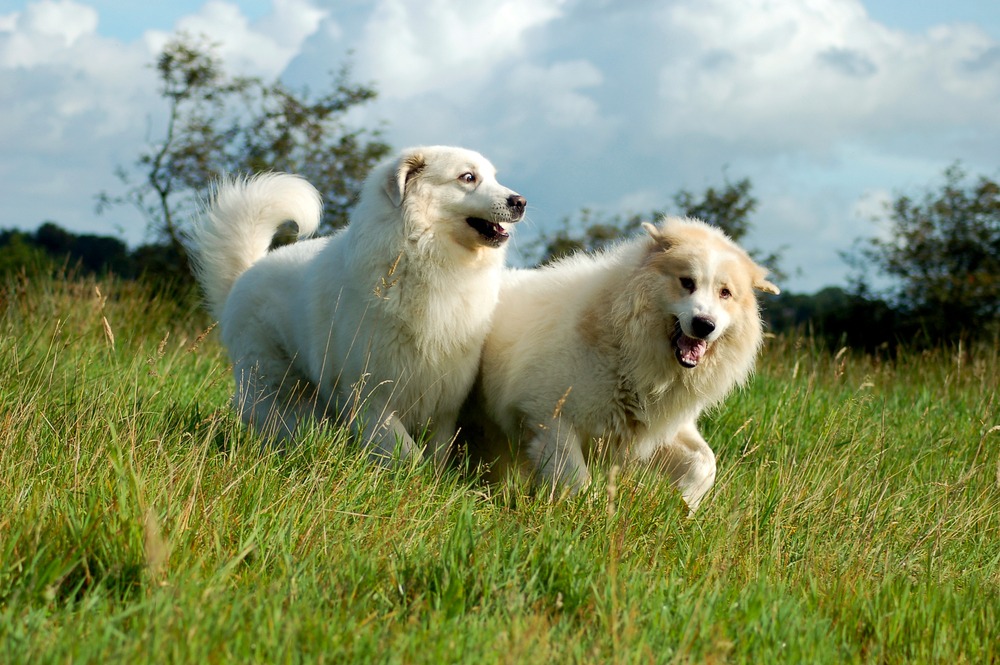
[{"x": 856, "y": 518}]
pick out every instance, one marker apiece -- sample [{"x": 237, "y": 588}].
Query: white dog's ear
[{"x": 404, "y": 170}]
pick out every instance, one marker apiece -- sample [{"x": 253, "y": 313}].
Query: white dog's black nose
[
  {"x": 702, "y": 326},
  {"x": 516, "y": 203}
]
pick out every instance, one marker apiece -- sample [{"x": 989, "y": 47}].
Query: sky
[{"x": 830, "y": 107}]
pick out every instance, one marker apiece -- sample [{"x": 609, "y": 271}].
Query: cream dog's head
[{"x": 708, "y": 285}]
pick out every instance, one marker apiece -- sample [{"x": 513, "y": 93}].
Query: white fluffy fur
[
  {"x": 381, "y": 324},
  {"x": 582, "y": 360}
]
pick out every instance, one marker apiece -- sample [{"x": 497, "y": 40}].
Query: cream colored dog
[
  {"x": 615, "y": 355},
  {"x": 380, "y": 325}
]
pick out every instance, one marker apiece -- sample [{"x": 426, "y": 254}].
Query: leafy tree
[
  {"x": 942, "y": 253},
  {"x": 589, "y": 232},
  {"x": 837, "y": 317},
  {"x": 728, "y": 208},
  {"x": 19, "y": 255},
  {"x": 91, "y": 253},
  {"x": 219, "y": 124},
  {"x": 52, "y": 246}
]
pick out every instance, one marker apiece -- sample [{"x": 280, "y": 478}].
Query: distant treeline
[
  {"x": 833, "y": 315},
  {"x": 51, "y": 248},
  {"x": 840, "y": 318}
]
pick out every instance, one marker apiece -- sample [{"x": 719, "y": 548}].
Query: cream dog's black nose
[{"x": 702, "y": 326}]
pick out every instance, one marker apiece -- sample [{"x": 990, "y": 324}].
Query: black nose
[
  {"x": 702, "y": 326},
  {"x": 517, "y": 202}
]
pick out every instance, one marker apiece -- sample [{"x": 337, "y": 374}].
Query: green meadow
[{"x": 856, "y": 518}]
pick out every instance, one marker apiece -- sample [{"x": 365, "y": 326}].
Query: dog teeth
[{"x": 690, "y": 350}]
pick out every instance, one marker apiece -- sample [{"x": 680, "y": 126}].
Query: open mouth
[
  {"x": 491, "y": 232},
  {"x": 689, "y": 350}
]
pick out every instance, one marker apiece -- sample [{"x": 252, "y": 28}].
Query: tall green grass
[{"x": 856, "y": 518}]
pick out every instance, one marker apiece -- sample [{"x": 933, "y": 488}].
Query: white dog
[
  {"x": 615, "y": 355},
  {"x": 380, "y": 325}
]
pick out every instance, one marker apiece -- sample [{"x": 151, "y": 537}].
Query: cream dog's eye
[
  {"x": 688, "y": 284},
  {"x": 468, "y": 178},
  {"x": 725, "y": 294}
]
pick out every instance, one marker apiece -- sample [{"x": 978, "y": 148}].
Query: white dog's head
[
  {"x": 708, "y": 286},
  {"x": 453, "y": 191}
]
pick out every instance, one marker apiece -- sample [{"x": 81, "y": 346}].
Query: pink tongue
[{"x": 691, "y": 349}]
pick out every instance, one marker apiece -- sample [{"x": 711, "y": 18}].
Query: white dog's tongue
[{"x": 690, "y": 350}]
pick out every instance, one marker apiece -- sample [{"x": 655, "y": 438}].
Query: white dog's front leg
[
  {"x": 386, "y": 439},
  {"x": 558, "y": 459},
  {"x": 442, "y": 439},
  {"x": 689, "y": 462},
  {"x": 274, "y": 411}
]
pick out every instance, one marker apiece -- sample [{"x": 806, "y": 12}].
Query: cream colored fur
[{"x": 582, "y": 361}]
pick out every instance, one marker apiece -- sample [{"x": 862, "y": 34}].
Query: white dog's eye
[
  {"x": 687, "y": 284},
  {"x": 468, "y": 178},
  {"x": 725, "y": 294}
]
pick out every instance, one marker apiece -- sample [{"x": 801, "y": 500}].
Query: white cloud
[
  {"x": 44, "y": 30},
  {"x": 557, "y": 89},
  {"x": 412, "y": 48},
  {"x": 81, "y": 104},
  {"x": 55, "y": 67},
  {"x": 65, "y": 19},
  {"x": 263, "y": 48},
  {"x": 607, "y": 105},
  {"x": 807, "y": 74}
]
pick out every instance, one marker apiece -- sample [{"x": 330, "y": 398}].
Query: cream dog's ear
[
  {"x": 663, "y": 238},
  {"x": 408, "y": 166},
  {"x": 766, "y": 287},
  {"x": 656, "y": 234},
  {"x": 653, "y": 232},
  {"x": 761, "y": 283}
]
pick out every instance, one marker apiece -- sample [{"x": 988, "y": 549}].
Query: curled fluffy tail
[{"x": 237, "y": 225}]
